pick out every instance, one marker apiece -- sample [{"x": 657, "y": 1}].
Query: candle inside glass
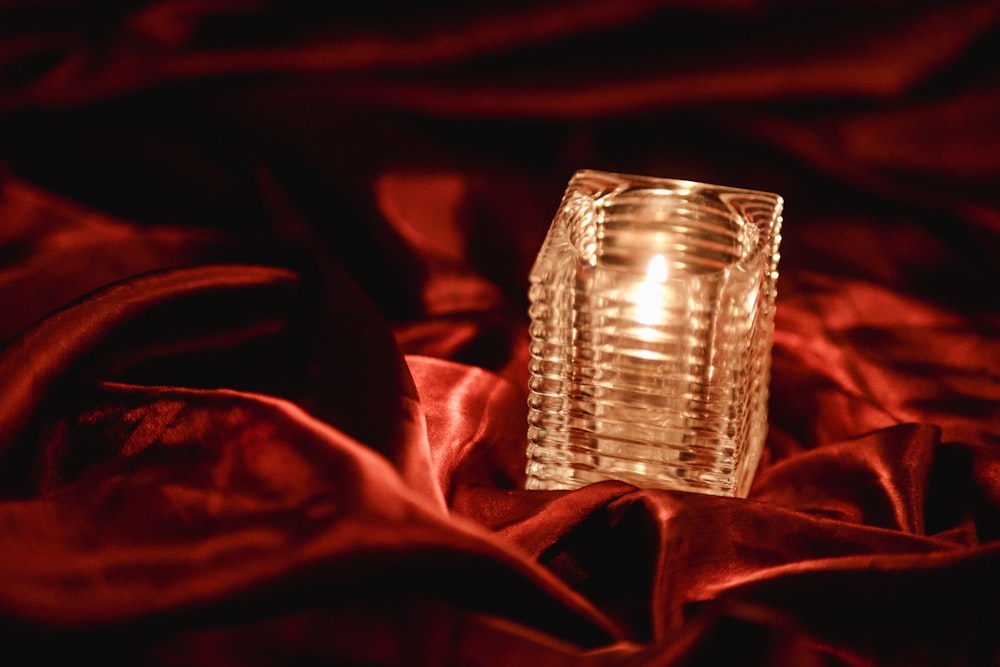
[
  {"x": 649, "y": 301},
  {"x": 652, "y": 312}
]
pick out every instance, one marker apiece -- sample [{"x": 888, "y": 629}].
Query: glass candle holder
[{"x": 652, "y": 313}]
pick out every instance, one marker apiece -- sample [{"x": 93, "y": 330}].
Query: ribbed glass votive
[{"x": 652, "y": 310}]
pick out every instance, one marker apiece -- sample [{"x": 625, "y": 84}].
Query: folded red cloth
[{"x": 263, "y": 373}]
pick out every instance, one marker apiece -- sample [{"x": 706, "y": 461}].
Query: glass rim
[{"x": 615, "y": 181}]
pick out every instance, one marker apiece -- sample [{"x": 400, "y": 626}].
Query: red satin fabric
[{"x": 263, "y": 372}]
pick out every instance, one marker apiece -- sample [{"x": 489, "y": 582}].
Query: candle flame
[
  {"x": 649, "y": 297},
  {"x": 657, "y": 269}
]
